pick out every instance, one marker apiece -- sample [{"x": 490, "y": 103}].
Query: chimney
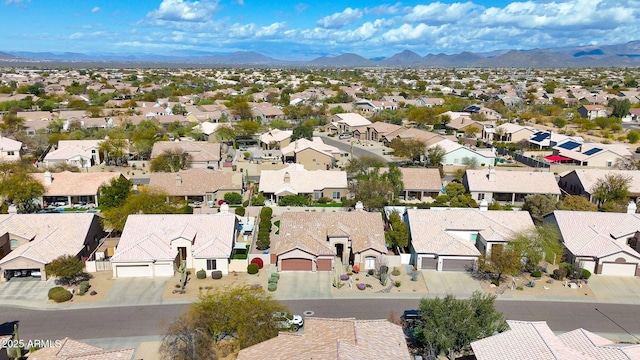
[
  {"x": 47, "y": 178},
  {"x": 287, "y": 178},
  {"x": 631, "y": 208},
  {"x": 224, "y": 208},
  {"x": 492, "y": 174},
  {"x": 178, "y": 180},
  {"x": 484, "y": 205},
  {"x": 359, "y": 205}
]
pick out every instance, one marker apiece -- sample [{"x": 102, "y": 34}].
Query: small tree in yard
[
  {"x": 449, "y": 325},
  {"x": 399, "y": 233},
  {"x": 501, "y": 260},
  {"x": 232, "y": 198},
  {"x": 65, "y": 267}
]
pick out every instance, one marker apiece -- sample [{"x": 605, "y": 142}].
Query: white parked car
[{"x": 288, "y": 321}]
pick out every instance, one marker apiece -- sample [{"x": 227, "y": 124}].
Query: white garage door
[
  {"x": 164, "y": 269},
  {"x": 615, "y": 269},
  {"x": 123, "y": 271}
]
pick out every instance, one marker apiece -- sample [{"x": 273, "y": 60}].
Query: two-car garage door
[
  {"x": 619, "y": 269},
  {"x": 124, "y": 271},
  {"x": 297, "y": 265}
]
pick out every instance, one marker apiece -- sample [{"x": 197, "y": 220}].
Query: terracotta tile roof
[
  {"x": 326, "y": 339},
  {"x": 301, "y": 181},
  {"x": 68, "y": 183},
  {"x": 75, "y": 350},
  {"x": 7, "y": 144},
  {"x": 589, "y": 177},
  {"x": 424, "y": 179},
  {"x": 148, "y": 237},
  {"x": 352, "y": 119},
  {"x": 200, "y": 150},
  {"x": 597, "y": 347},
  {"x": 276, "y": 135},
  {"x": 520, "y": 182},
  {"x": 433, "y": 231},
  {"x": 195, "y": 182},
  {"x": 309, "y": 231},
  {"x": 52, "y": 235},
  {"x": 316, "y": 144}
]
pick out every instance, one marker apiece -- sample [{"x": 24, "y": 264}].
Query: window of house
[
  {"x": 316, "y": 195},
  {"x": 13, "y": 243},
  {"x": 211, "y": 264},
  {"x": 336, "y": 195},
  {"x": 481, "y": 196},
  {"x": 10, "y": 153},
  {"x": 609, "y": 163}
]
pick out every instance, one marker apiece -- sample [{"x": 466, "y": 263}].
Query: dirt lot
[
  {"x": 373, "y": 285},
  {"x": 196, "y": 286},
  {"x": 554, "y": 289},
  {"x": 100, "y": 283}
]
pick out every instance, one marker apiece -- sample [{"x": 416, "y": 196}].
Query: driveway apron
[{"x": 136, "y": 291}]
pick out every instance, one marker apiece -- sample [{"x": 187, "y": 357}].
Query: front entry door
[{"x": 340, "y": 251}]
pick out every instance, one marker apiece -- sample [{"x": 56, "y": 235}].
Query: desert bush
[
  {"x": 252, "y": 268},
  {"x": 397, "y": 284},
  {"x": 536, "y": 274},
  {"x": 559, "y": 274},
  {"x": 586, "y": 274},
  {"x": 495, "y": 282},
  {"x": 59, "y": 294},
  {"x": 272, "y": 287},
  {"x": 395, "y": 272},
  {"x": 201, "y": 274},
  {"x": 275, "y": 275},
  {"x": 245, "y": 203},
  {"x": 257, "y": 261},
  {"x": 217, "y": 274},
  {"x": 240, "y": 211}
]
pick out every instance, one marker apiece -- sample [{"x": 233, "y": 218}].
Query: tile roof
[
  {"x": 352, "y": 119},
  {"x": 597, "y": 234},
  {"x": 589, "y": 177},
  {"x": 68, "y": 183},
  {"x": 433, "y": 230},
  {"x": 425, "y": 179},
  {"x": 521, "y": 182},
  {"x": 70, "y": 349},
  {"x": 326, "y": 339},
  {"x": 201, "y": 151},
  {"x": 309, "y": 231},
  {"x": 7, "y": 144},
  {"x": 69, "y": 148},
  {"x": 300, "y": 180},
  {"x": 52, "y": 235},
  {"x": 316, "y": 144},
  {"x": 195, "y": 182},
  {"x": 276, "y": 135},
  {"x": 534, "y": 340},
  {"x": 148, "y": 237}
]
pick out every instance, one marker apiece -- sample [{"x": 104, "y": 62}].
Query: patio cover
[{"x": 556, "y": 158}]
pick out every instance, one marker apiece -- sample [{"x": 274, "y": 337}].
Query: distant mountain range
[{"x": 620, "y": 55}]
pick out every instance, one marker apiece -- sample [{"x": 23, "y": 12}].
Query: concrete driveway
[
  {"x": 25, "y": 291},
  {"x": 616, "y": 289},
  {"x": 304, "y": 285},
  {"x": 136, "y": 291},
  {"x": 441, "y": 283}
]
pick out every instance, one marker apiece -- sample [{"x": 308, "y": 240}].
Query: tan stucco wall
[{"x": 314, "y": 160}]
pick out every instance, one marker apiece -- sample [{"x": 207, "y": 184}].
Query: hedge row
[{"x": 264, "y": 232}]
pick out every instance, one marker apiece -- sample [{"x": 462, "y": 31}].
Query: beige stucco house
[
  {"x": 199, "y": 184},
  {"x": 509, "y": 186},
  {"x": 296, "y": 180}
]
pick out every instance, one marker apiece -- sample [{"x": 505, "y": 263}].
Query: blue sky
[{"x": 308, "y": 29}]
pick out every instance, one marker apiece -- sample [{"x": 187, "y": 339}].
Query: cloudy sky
[{"x": 305, "y": 30}]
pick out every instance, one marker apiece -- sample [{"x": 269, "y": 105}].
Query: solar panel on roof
[
  {"x": 569, "y": 145},
  {"x": 540, "y": 136},
  {"x": 592, "y": 151}
]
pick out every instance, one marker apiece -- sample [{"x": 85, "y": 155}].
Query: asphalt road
[
  {"x": 152, "y": 320},
  {"x": 344, "y": 146}
]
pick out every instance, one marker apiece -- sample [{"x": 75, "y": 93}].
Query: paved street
[
  {"x": 358, "y": 151},
  {"x": 150, "y": 321}
]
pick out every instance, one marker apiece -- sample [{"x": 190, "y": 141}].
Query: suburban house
[
  {"x": 593, "y": 111},
  {"x": 452, "y": 239},
  {"x": 198, "y": 184},
  {"x": 335, "y": 339},
  {"x": 485, "y": 112},
  {"x": 203, "y": 154},
  {"x": 80, "y": 153},
  {"x": 582, "y": 181},
  {"x": 426, "y": 137},
  {"x": 28, "y": 242},
  {"x": 547, "y": 139},
  {"x": 154, "y": 245},
  {"x": 10, "y": 150},
  {"x": 420, "y": 184},
  {"x": 601, "y": 242},
  {"x": 375, "y": 131},
  {"x": 70, "y": 189},
  {"x": 346, "y": 123},
  {"x": 265, "y": 111},
  {"x": 534, "y": 340},
  {"x": 275, "y": 139},
  {"x": 509, "y": 186},
  {"x": 70, "y": 349},
  {"x": 507, "y": 132},
  {"x": 591, "y": 154},
  {"x": 209, "y": 129},
  {"x": 325, "y": 241},
  {"x": 296, "y": 180},
  {"x": 312, "y": 154},
  {"x": 461, "y": 155}
]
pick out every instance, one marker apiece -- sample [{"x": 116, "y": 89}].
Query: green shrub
[
  {"x": 201, "y": 274},
  {"x": 252, "y": 269},
  {"x": 384, "y": 269},
  {"x": 586, "y": 274},
  {"x": 495, "y": 282},
  {"x": 233, "y": 198},
  {"x": 397, "y": 284},
  {"x": 395, "y": 272},
  {"x": 59, "y": 294},
  {"x": 559, "y": 274},
  {"x": 266, "y": 212},
  {"x": 263, "y": 244},
  {"x": 245, "y": 203},
  {"x": 240, "y": 211},
  {"x": 272, "y": 286},
  {"x": 275, "y": 275},
  {"x": 324, "y": 200},
  {"x": 536, "y": 274},
  {"x": 519, "y": 287},
  {"x": 272, "y": 280}
]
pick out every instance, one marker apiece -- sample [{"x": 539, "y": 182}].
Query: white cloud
[
  {"x": 18, "y": 3},
  {"x": 438, "y": 12},
  {"x": 95, "y": 9},
  {"x": 384, "y": 9},
  {"x": 184, "y": 10},
  {"x": 342, "y": 19}
]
